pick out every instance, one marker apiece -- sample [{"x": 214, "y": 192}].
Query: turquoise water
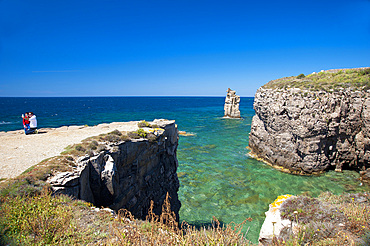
[{"x": 217, "y": 177}]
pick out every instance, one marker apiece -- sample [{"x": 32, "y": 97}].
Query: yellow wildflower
[{"x": 279, "y": 200}]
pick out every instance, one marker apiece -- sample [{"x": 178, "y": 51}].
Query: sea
[{"x": 217, "y": 176}]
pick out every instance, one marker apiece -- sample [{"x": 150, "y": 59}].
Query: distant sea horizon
[
  {"x": 217, "y": 176},
  {"x": 54, "y": 111}
]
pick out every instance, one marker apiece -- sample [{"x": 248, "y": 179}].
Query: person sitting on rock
[{"x": 33, "y": 124}]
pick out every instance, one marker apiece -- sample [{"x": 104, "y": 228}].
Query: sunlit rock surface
[{"x": 231, "y": 106}]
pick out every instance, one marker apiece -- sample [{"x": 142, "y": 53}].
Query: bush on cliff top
[
  {"x": 331, "y": 80},
  {"x": 327, "y": 220}
]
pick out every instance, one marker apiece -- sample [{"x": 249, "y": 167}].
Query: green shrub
[
  {"x": 80, "y": 148},
  {"x": 143, "y": 123},
  {"x": 363, "y": 72},
  {"x": 154, "y": 126},
  {"x": 112, "y": 138},
  {"x": 301, "y": 76},
  {"x": 115, "y": 132},
  {"x": 93, "y": 145},
  {"x": 133, "y": 135},
  {"x": 141, "y": 133},
  {"x": 125, "y": 137}
]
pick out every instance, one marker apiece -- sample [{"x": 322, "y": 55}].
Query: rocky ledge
[
  {"x": 127, "y": 173},
  {"x": 311, "y": 130}
]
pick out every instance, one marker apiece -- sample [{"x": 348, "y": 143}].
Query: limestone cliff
[
  {"x": 128, "y": 174},
  {"x": 231, "y": 106},
  {"x": 309, "y": 124}
]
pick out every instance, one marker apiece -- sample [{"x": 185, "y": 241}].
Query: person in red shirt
[
  {"x": 33, "y": 124},
  {"x": 26, "y": 122}
]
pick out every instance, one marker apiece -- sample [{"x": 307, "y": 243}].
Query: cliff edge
[
  {"x": 126, "y": 171},
  {"x": 310, "y": 124}
]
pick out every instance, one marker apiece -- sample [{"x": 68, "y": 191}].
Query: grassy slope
[{"x": 330, "y": 80}]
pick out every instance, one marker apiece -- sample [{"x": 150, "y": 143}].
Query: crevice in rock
[{"x": 127, "y": 174}]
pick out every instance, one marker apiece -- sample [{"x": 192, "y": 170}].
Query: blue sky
[{"x": 175, "y": 47}]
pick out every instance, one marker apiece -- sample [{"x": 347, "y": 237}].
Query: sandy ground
[{"x": 18, "y": 151}]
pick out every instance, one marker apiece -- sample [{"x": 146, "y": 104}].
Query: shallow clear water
[{"x": 217, "y": 177}]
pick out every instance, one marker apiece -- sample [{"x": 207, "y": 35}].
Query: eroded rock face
[
  {"x": 231, "y": 106},
  {"x": 128, "y": 174},
  {"x": 308, "y": 132}
]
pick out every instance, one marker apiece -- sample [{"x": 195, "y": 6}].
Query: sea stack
[
  {"x": 232, "y": 105},
  {"x": 306, "y": 127}
]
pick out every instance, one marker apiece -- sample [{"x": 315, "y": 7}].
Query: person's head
[
  {"x": 30, "y": 113},
  {"x": 26, "y": 114}
]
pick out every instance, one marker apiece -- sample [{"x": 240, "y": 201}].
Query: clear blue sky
[{"x": 174, "y": 47}]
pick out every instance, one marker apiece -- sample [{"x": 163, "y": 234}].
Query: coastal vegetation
[
  {"x": 329, "y": 81},
  {"x": 59, "y": 220},
  {"x": 327, "y": 220},
  {"x": 144, "y": 123},
  {"x": 31, "y": 215},
  {"x": 39, "y": 218}
]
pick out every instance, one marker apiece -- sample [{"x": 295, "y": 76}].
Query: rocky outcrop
[
  {"x": 306, "y": 132},
  {"x": 274, "y": 224},
  {"x": 128, "y": 174},
  {"x": 231, "y": 106},
  {"x": 310, "y": 220}
]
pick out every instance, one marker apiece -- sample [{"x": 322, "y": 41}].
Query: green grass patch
[{"x": 329, "y": 81}]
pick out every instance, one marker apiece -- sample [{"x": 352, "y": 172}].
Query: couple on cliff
[{"x": 29, "y": 123}]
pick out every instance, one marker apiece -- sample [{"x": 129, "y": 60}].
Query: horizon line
[{"x": 126, "y": 96}]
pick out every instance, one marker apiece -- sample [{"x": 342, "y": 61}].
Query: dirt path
[{"x": 18, "y": 151}]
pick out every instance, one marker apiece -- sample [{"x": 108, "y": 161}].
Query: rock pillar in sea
[{"x": 231, "y": 106}]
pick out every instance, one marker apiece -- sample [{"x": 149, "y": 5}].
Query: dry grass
[
  {"x": 30, "y": 220},
  {"x": 328, "y": 220},
  {"x": 59, "y": 220},
  {"x": 164, "y": 230},
  {"x": 330, "y": 81}
]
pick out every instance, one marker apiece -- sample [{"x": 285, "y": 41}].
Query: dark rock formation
[
  {"x": 231, "y": 106},
  {"x": 128, "y": 174},
  {"x": 308, "y": 132}
]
